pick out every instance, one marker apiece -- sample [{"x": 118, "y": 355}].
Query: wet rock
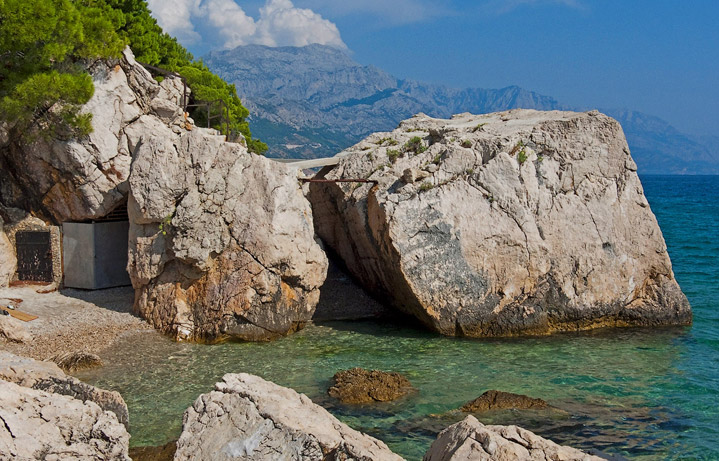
[
  {"x": 45, "y": 417},
  {"x": 530, "y": 223},
  {"x": 250, "y": 418},
  {"x": 13, "y": 329},
  {"x": 364, "y": 386},
  {"x": 77, "y": 360},
  {"x": 162, "y": 453},
  {"x": 48, "y": 377},
  {"x": 470, "y": 440},
  {"x": 222, "y": 242},
  {"x": 497, "y": 400}
]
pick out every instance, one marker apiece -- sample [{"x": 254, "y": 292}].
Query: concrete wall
[{"x": 95, "y": 255}]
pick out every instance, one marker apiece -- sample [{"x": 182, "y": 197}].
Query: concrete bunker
[{"x": 95, "y": 252}]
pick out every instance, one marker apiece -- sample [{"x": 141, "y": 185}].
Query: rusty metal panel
[{"x": 34, "y": 256}]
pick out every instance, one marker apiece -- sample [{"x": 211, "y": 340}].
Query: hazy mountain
[{"x": 314, "y": 101}]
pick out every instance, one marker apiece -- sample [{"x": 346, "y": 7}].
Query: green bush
[
  {"x": 467, "y": 143},
  {"x": 415, "y": 145},
  {"x": 393, "y": 155}
]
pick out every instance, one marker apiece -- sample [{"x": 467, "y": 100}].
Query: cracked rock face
[
  {"x": 81, "y": 179},
  {"x": 246, "y": 417},
  {"x": 222, "y": 242},
  {"x": 520, "y": 222},
  {"x": 470, "y": 440},
  {"x": 47, "y": 415}
]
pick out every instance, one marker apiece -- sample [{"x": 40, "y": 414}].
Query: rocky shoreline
[
  {"x": 71, "y": 320},
  {"x": 49, "y": 414}
]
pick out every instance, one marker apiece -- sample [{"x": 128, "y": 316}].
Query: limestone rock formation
[
  {"x": 249, "y": 418},
  {"x": 47, "y": 415},
  {"x": 520, "y": 222},
  {"x": 13, "y": 329},
  {"x": 497, "y": 400},
  {"x": 42, "y": 425},
  {"x": 364, "y": 386},
  {"x": 81, "y": 179},
  {"x": 470, "y": 440},
  {"x": 48, "y": 377},
  {"x": 8, "y": 261},
  {"x": 222, "y": 242}
]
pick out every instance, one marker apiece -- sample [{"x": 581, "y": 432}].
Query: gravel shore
[{"x": 70, "y": 320}]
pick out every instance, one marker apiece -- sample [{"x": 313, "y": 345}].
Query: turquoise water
[{"x": 643, "y": 394}]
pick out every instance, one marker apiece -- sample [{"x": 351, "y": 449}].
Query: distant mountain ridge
[{"x": 315, "y": 101}]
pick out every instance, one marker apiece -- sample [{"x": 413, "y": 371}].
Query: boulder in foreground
[
  {"x": 249, "y": 418},
  {"x": 520, "y": 222},
  {"x": 470, "y": 440},
  {"x": 47, "y": 415}
]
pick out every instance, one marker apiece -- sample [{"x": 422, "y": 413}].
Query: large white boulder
[
  {"x": 248, "y": 418},
  {"x": 520, "y": 222}
]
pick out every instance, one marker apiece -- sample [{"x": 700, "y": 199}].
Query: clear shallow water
[{"x": 644, "y": 394}]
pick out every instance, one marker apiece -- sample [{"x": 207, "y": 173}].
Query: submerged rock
[
  {"x": 520, "y": 222},
  {"x": 470, "y": 440},
  {"x": 363, "y": 386},
  {"x": 222, "y": 242},
  {"x": 48, "y": 377},
  {"x": 43, "y": 418},
  {"x": 249, "y": 418},
  {"x": 77, "y": 360},
  {"x": 497, "y": 400}
]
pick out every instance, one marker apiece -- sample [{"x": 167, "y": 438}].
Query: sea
[{"x": 642, "y": 394}]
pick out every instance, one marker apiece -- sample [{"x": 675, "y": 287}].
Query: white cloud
[{"x": 223, "y": 23}]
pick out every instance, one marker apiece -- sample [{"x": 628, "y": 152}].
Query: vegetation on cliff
[{"x": 47, "y": 44}]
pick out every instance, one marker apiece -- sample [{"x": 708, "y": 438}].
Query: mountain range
[{"x": 315, "y": 101}]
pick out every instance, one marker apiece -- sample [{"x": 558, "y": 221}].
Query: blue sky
[{"x": 660, "y": 57}]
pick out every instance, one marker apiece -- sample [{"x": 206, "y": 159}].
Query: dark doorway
[{"x": 34, "y": 256}]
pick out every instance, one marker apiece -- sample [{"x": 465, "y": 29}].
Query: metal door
[{"x": 34, "y": 256}]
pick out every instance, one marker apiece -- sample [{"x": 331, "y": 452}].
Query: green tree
[
  {"x": 44, "y": 46},
  {"x": 153, "y": 46}
]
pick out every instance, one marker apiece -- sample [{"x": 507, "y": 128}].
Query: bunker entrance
[{"x": 34, "y": 256}]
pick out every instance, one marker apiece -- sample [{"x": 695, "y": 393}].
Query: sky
[{"x": 660, "y": 57}]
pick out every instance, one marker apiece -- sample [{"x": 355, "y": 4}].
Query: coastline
[{"x": 72, "y": 320}]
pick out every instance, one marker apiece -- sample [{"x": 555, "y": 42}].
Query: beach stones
[
  {"x": 497, "y": 400},
  {"x": 358, "y": 385}
]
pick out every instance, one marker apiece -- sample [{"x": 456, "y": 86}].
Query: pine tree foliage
[{"x": 45, "y": 46}]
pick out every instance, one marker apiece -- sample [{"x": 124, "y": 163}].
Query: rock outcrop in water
[
  {"x": 249, "y": 418},
  {"x": 520, "y": 222},
  {"x": 497, "y": 400},
  {"x": 47, "y": 415},
  {"x": 221, "y": 241},
  {"x": 358, "y": 385},
  {"x": 470, "y": 440}
]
